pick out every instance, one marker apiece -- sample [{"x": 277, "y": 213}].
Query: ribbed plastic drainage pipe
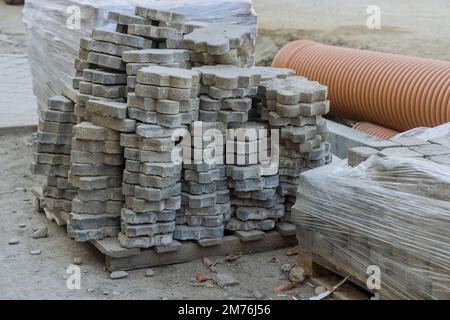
[
  {"x": 375, "y": 130},
  {"x": 398, "y": 92}
]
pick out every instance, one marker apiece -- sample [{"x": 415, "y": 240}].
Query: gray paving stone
[
  {"x": 236, "y": 225},
  {"x": 156, "y": 194},
  {"x": 153, "y": 32},
  {"x": 107, "y": 108},
  {"x": 96, "y": 207},
  {"x": 160, "y": 15},
  {"x": 215, "y": 38},
  {"x": 168, "y": 77},
  {"x": 140, "y": 205},
  {"x": 94, "y": 170},
  {"x": 95, "y": 183},
  {"x": 148, "y": 230},
  {"x": 92, "y": 234},
  {"x": 120, "y": 38},
  {"x": 109, "y": 91},
  {"x": 228, "y": 77},
  {"x": 145, "y": 242},
  {"x": 122, "y": 125},
  {"x": 93, "y": 221},
  {"x": 105, "y": 60},
  {"x": 158, "y": 56},
  {"x": 104, "y": 77},
  {"x": 255, "y": 213},
  {"x": 110, "y": 147},
  {"x": 91, "y": 45},
  {"x": 60, "y": 103},
  {"x": 198, "y": 201},
  {"x": 52, "y": 159},
  {"x": 183, "y": 232}
]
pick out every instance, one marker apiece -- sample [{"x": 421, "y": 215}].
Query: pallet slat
[{"x": 190, "y": 251}]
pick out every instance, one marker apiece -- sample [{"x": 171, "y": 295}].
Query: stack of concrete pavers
[
  {"x": 156, "y": 26},
  {"x": 101, "y": 72},
  {"x": 295, "y": 106},
  {"x": 252, "y": 178},
  {"x": 52, "y": 156},
  {"x": 259, "y": 107},
  {"x": 205, "y": 198},
  {"x": 96, "y": 170},
  {"x": 165, "y": 98},
  {"x": 137, "y": 59},
  {"x": 218, "y": 43},
  {"x": 226, "y": 92}
]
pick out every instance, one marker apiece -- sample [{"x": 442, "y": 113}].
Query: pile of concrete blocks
[
  {"x": 387, "y": 207},
  {"x": 100, "y": 69},
  {"x": 218, "y": 43},
  {"x": 205, "y": 198},
  {"x": 252, "y": 178},
  {"x": 156, "y": 26},
  {"x": 137, "y": 59},
  {"x": 165, "y": 98},
  {"x": 136, "y": 103},
  {"x": 52, "y": 156},
  {"x": 225, "y": 93},
  {"x": 295, "y": 106},
  {"x": 96, "y": 170}
]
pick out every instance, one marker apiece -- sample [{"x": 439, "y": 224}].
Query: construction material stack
[
  {"x": 52, "y": 156},
  {"x": 295, "y": 106},
  {"x": 153, "y": 158},
  {"x": 384, "y": 210},
  {"x": 226, "y": 93},
  {"x": 218, "y": 43},
  {"x": 156, "y": 26},
  {"x": 96, "y": 170},
  {"x": 252, "y": 178},
  {"x": 205, "y": 197}
]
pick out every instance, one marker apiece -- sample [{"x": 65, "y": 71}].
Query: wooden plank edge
[{"x": 191, "y": 251}]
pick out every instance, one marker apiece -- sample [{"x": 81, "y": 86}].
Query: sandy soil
[{"x": 411, "y": 27}]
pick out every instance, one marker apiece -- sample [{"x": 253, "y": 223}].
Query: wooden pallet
[
  {"x": 119, "y": 258},
  {"x": 326, "y": 269}
]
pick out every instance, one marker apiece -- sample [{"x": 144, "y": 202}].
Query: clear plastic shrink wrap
[
  {"x": 390, "y": 212},
  {"x": 52, "y": 46}
]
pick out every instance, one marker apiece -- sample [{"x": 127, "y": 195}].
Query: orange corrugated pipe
[
  {"x": 395, "y": 91},
  {"x": 375, "y": 130}
]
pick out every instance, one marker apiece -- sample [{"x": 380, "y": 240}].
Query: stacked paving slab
[
  {"x": 135, "y": 103},
  {"x": 96, "y": 170},
  {"x": 252, "y": 178},
  {"x": 167, "y": 98},
  {"x": 225, "y": 93},
  {"x": 295, "y": 106},
  {"x": 205, "y": 197},
  {"x": 218, "y": 43},
  {"x": 52, "y": 156},
  {"x": 157, "y": 27},
  {"x": 96, "y": 166}
]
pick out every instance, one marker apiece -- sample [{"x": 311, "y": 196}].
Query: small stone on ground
[
  {"x": 225, "y": 280},
  {"x": 41, "y": 232},
  {"x": 13, "y": 241},
  {"x": 118, "y": 275}
]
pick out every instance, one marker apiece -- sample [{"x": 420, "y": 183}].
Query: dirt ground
[
  {"x": 408, "y": 27},
  {"x": 411, "y": 27}
]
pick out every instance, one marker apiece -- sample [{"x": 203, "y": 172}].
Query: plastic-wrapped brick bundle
[
  {"x": 53, "y": 46},
  {"x": 392, "y": 212}
]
